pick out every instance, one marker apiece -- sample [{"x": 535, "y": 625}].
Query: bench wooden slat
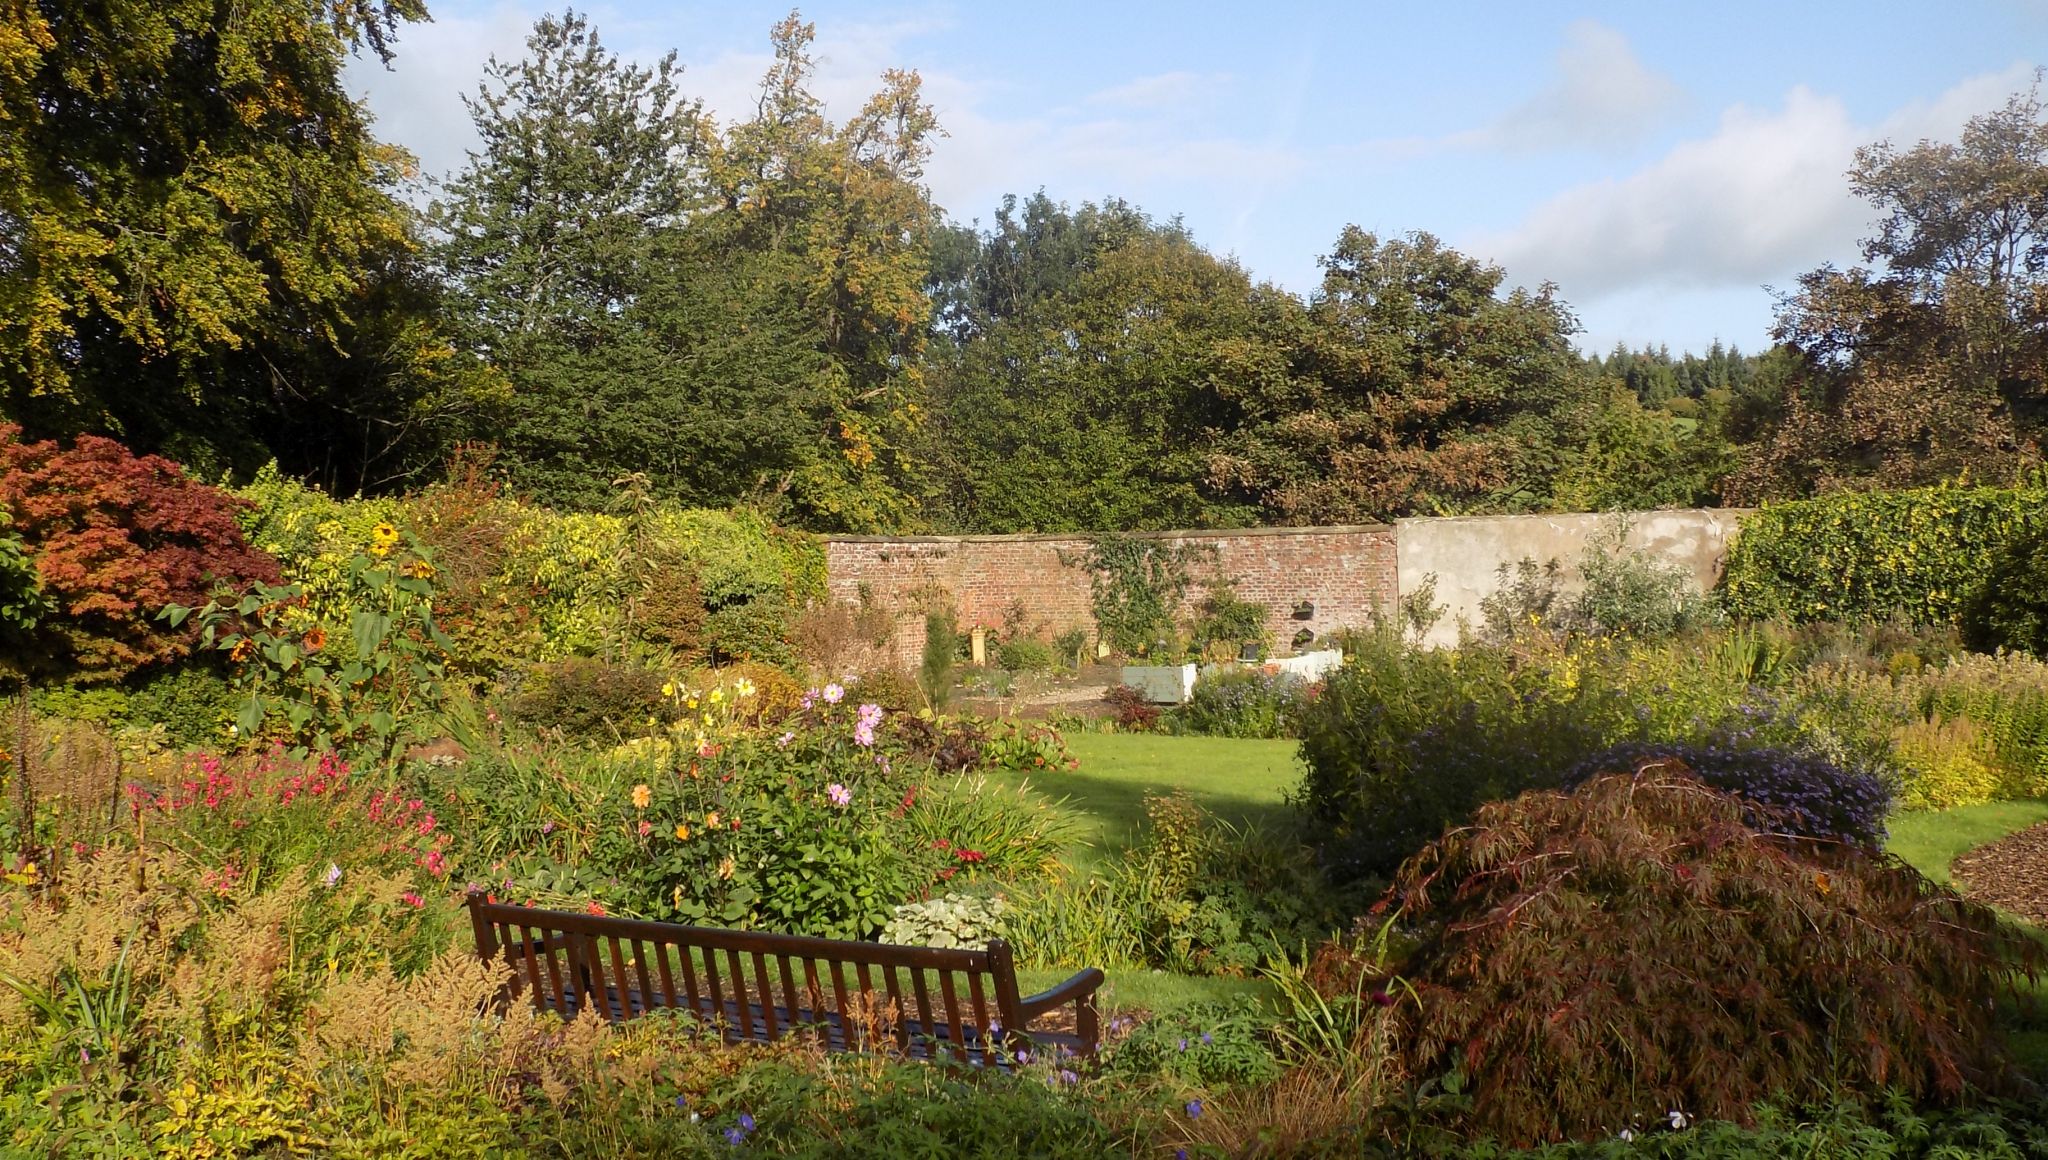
[{"x": 955, "y": 1031}]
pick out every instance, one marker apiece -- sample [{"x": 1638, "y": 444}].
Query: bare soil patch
[{"x": 2011, "y": 874}]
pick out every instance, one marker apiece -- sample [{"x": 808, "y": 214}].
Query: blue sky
[{"x": 1661, "y": 163}]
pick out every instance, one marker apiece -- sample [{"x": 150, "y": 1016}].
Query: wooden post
[{"x": 979, "y": 644}]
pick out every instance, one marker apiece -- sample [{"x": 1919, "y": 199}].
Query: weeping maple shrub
[{"x": 1593, "y": 961}]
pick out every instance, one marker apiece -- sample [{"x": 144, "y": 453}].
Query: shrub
[
  {"x": 1241, "y": 702},
  {"x": 1129, "y": 708},
  {"x": 115, "y": 538},
  {"x": 467, "y": 525},
  {"x": 193, "y": 703},
  {"x": 1025, "y": 654},
  {"x": 1636, "y": 593},
  {"x": 1592, "y": 960},
  {"x": 777, "y": 696},
  {"x": 1791, "y": 792},
  {"x": 2009, "y": 608},
  {"x": 1920, "y": 555},
  {"x": 748, "y": 630},
  {"x": 587, "y": 697},
  {"x": 890, "y": 689},
  {"x": 1621, "y": 591},
  {"x": 1403, "y": 742},
  {"x": 835, "y": 636},
  {"x": 941, "y": 649}
]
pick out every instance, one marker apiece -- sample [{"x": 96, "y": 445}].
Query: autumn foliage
[
  {"x": 115, "y": 537},
  {"x": 1594, "y": 961}
]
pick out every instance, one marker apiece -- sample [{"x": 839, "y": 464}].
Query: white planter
[
  {"x": 1162, "y": 684},
  {"x": 1308, "y": 666}
]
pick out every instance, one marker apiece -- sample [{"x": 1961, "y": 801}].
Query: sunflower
[
  {"x": 383, "y": 538},
  {"x": 243, "y": 650}
]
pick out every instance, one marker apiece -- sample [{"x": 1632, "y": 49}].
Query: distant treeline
[{"x": 205, "y": 253}]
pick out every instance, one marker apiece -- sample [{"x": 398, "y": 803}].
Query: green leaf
[
  {"x": 369, "y": 629},
  {"x": 250, "y": 719}
]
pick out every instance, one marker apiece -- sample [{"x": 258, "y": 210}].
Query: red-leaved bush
[
  {"x": 1595, "y": 961},
  {"x": 115, "y": 537}
]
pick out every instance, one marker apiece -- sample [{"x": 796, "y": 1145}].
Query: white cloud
[
  {"x": 1168, "y": 90},
  {"x": 1603, "y": 96},
  {"x": 1759, "y": 200}
]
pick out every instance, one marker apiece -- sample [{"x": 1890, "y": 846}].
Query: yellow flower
[
  {"x": 668, "y": 688},
  {"x": 725, "y": 868},
  {"x": 383, "y": 538},
  {"x": 642, "y": 796},
  {"x": 682, "y": 832},
  {"x": 692, "y": 702},
  {"x": 711, "y": 819},
  {"x": 30, "y": 872},
  {"x": 743, "y": 688},
  {"x": 420, "y": 570},
  {"x": 717, "y": 695}
]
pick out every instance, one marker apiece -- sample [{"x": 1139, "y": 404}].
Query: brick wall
[{"x": 1345, "y": 572}]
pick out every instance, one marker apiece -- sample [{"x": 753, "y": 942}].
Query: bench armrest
[{"x": 1081, "y": 986}]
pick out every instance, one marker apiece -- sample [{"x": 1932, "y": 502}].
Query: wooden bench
[{"x": 755, "y": 986}]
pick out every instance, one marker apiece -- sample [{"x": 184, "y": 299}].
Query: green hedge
[{"x": 1918, "y": 555}]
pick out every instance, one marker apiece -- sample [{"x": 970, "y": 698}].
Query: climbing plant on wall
[{"x": 1136, "y": 586}]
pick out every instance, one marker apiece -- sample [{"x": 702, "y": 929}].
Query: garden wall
[
  {"x": 1465, "y": 553},
  {"x": 1343, "y": 571}
]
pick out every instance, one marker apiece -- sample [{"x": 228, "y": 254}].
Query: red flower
[
  {"x": 970, "y": 856},
  {"x": 942, "y": 844},
  {"x": 595, "y": 908}
]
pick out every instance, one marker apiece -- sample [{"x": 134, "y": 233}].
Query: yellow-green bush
[
  {"x": 553, "y": 584},
  {"x": 1872, "y": 556}
]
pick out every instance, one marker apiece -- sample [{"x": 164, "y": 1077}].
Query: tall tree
[
  {"x": 734, "y": 313},
  {"x": 1420, "y": 389},
  {"x": 1088, "y": 359},
  {"x": 1934, "y": 360},
  {"x": 199, "y": 249}
]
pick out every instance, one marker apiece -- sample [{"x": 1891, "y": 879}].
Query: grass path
[{"x": 1932, "y": 839}]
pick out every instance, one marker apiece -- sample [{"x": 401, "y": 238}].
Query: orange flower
[
  {"x": 316, "y": 640},
  {"x": 243, "y": 650}
]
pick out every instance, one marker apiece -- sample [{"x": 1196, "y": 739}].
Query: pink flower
[
  {"x": 783, "y": 741},
  {"x": 833, "y": 694},
  {"x": 863, "y": 734},
  {"x": 840, "y": 795},
  {"x": 646, "y": 828},
  {"x": 412, "y": 900}
]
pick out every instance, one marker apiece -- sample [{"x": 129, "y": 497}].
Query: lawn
[{"x": 1240, "y": 781}]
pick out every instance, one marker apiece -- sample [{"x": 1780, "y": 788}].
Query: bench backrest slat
[{"x": 956, "y": 1035}]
